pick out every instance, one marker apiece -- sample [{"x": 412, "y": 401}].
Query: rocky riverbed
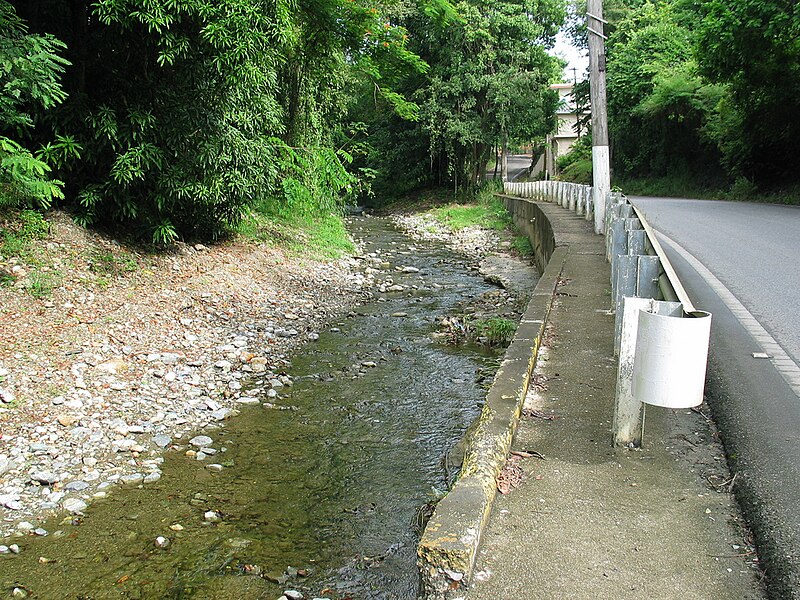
[{"x": 134, "y": 353}]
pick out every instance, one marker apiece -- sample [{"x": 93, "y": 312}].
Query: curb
[{"x": 446, "y": 553}]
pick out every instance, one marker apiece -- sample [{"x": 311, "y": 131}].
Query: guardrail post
[{"x": 629, "y": 412}]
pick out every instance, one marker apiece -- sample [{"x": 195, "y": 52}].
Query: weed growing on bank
[{"x": 317, "y": 236}]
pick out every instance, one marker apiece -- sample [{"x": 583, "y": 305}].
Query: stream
[{"x": 322, "y": 489}]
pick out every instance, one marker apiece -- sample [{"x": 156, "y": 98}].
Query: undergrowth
[
  {"x": 320, "y": 236},
  {"x": 19, "y": 230}
]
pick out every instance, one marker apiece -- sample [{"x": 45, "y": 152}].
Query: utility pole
[{"x": 597, "y": 73}]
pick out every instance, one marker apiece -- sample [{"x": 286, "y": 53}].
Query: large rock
[{"x": 513, "y": 274}]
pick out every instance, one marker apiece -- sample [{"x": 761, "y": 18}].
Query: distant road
[
  {"x": 517, "y": 163},
  {"x": 741, "y": 262}
]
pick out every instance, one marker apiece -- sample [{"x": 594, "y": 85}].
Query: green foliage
[
  {"x": 42, "y": 284},
  {"x": 187, "y": 113},
  {"x": 498, "y": 331},
  {"x": 522, "y": 245},
  {"x": 576, "y": 165},
  {"x": 20, "y": 230},
  {"x": 660, "y": 109},
  {"x": 753, "y": 48},
  {"x": 30, "y": 69},
  {"x": 488, "y": 83}
]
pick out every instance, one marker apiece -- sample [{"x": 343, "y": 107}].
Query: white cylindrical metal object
[{"x": 669, "y": 367}]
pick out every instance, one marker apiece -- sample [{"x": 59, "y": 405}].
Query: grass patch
[
  {"x": 741, "y": 189},
  {"x": 522, "y": 245},
  {"x": 484, "y": 210},
  {"x": 321, "y": 237},
  {"x": 20, "y": 230},
  {"x": 668, "y": 187},
  {"x": 42, "y": 284},
  {"x": 491, "y": 215},
  {"x": 498, "y": 331},
  {"x": 105, "y": 262}
]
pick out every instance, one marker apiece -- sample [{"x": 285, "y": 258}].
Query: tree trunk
[
  {"x": 504, "y": 161},
  {"x": 80, "y": 40}
]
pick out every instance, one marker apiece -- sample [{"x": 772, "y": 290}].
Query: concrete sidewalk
[{"x": 591, "y": 521}]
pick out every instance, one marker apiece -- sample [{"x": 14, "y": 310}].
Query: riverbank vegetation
[
  {"x": 196, "y": 120},
  {"x": 702, "y": 97}
]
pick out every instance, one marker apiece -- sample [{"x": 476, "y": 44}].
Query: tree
[
  {"x": 753, "y": 47},
  {"x": 660, "y": 109},
  {"x": 193, "y": 111},
  {"x": 488, "y": 83},
  {"x": 30, "y": 70}
]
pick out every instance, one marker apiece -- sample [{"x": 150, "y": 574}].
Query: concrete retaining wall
[{"x": 447, "y": 550}]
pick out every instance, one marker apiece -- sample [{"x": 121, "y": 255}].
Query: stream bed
[{"x": 321, "y": 489}]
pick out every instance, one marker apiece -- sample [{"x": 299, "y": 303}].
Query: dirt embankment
[{"x": 108, "y": 354}]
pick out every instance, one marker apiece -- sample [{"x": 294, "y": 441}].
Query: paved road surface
[
  {"x": 741, "y": 262},
  {"x": 517, "y": 163}
]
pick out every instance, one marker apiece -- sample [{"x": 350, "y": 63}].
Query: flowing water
[{"x": 320, "y": 492}]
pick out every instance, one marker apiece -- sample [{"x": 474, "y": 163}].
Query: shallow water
[{"x": 328, "y": 481}]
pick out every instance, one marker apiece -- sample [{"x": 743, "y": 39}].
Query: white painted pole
[{"x": 601, "y": 164}]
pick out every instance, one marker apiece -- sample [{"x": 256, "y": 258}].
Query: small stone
[
  {"x": 369, "y": 364},
  {"x": 40, "y": 532},
  {"x": 162, "y": 542},
  {"x": 74, "y": 505},
  {"x": 45, "y": 477},
  {"x": 212, "y": 516},
  {"x": 123, "y": 445},
  {"x": 410, "y": 270},
  {"x": 214, "y": 467},
  {"x": 113, "y": 366},
  {"x": 152, "y": 477},
  {"x": 201, "y": 440},
  {"x": 132, "y": 479},
  {"x": 162, "y": 441},
  {"x": 7, "y": 396},
  {"x": 4, "y": 549},
  {"x": 19, "y": 593},
  {"x": 169, "y": 358},
  {"x": 14, "y": 548},
  {"x": 293, "y": 595},
  {"x": 76, "y": 486},
  {"x": 222, "y": 414},
  {"x": 400, "y": 314},
  {"x": 177, "y": 527},
  {"x": 313, "y": 337},
  {"x": 247, "y": 400},
  {"x": 68, "y": 420}
]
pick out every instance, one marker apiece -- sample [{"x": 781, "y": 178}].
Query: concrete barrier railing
[
  {"x": 574, "y": 196},
  {"x": 647, "y": 296},
  {"x": 663, "y": 364}
]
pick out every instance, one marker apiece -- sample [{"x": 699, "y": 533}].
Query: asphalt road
[
  {"x": 740, "y": 261},
  {"x": 517, "y": 163}
]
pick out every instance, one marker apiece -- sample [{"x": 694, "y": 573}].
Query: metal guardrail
[
  {"x": 665, "y": 364},
  {"x": 622, "y": 221}
]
